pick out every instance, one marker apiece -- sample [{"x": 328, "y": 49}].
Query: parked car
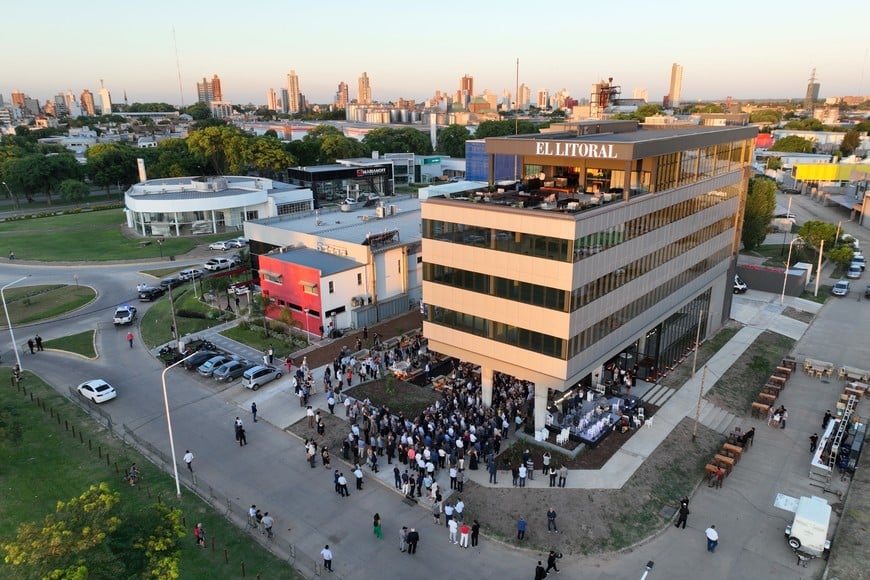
[
  {"x": 841, "y": 288},
  {"x": 149, "y": 293},
  {"x": 223, "y": 246},
  {"x": 256, "y": 377},
  {"x": 190, "y": 274},
  {"x": 193, "y": 362},
  {"x": 230, "y": 371},
  {"x": 171, "y": 282},
  {"x": 739, "y": 285},
  {"x": 216, "y": 264},
  {"x": 858, "y": 260},
  {"x": 240, "y": 288},
  {"x": 854, "y": 272},
  {"x": 236, "y": 243},
  {"x": 124, "y": 314},
  {"x": 97, "y": 391},
  {"x": 867, "y": 292},
  {"x": 207, "y": 368}
]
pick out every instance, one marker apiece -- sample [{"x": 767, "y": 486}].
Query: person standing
[
  {"x": 712, "y": 538},
  {"x": 11, "y": 255},
  {"x": 522, "y": 471},
  {"x": 30, "y": 345},
  {"x": 129, "y": 339},
  {"x": 267, "y": 521},
  {"x": 403, "y": 538},
  {"x": 521, "y": 528},
  {"x": 309, "y": 412},
  {"x": 452, "y": 526},
  {"x": 458, "y": 509},
  {"x": 540, "y": 573},
  {"x": 243, "y": 440},
  {"x": 199, "y": 535},
  {"x": 266, "y": 357},
  {"x": 551, "y": 562},
  {"x": 546, "y": 461},
  {"x": 551, "y": 520},
  {"x": 436, "y": 510},
  {"x": 464, "y": 531},
  {"x": 825, "y": 419},
  {"x": 326, "y": 553},
  {"x": 493, "y": 471},
  {"x": 552, "y": 474},
  {"x": 342, "y": 485},
  {"x": 413, "y": 538},
  {"x": 814, "y": 440},
  {"x": 684, "y": 513},
  {"x": 475, "y": 533},
  {"x": 783, "y": 418},
  {"x": 376, "y": 527},
  {"x": 238, "y": 426},
  {"x": 254, "y": 410},
  {"x": 188, "y": 459},
  {"x": 39, "y": 343},
  {"x": 448, "y": 514},
  {"x": 271, "y": 354},
  {"x": 359, "y": 477}
]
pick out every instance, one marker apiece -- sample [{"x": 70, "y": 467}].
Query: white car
[
  {"x": 124, "y": 314},
  {"x": 190, "y": 274},
  {"x": 224, "y": 246},
  {"x": 841, "y": 288},
  {"x": 854, "y": 272},
  {"x": 257, "y": 376},
  {"x": 216, "y": 264},
  {"x": 97, "y": 391}
]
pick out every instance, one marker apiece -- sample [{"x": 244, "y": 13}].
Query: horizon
[{"x": 415, "y": 54}]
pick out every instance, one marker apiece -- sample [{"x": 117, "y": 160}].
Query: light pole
[
  {"x": 8, "y": 321},
  {"x": 307, "y": 335},
  {"x": 787, "y": 264},
  {"x": 12, "y": 196},
  {"x": 169, "y": 423}
]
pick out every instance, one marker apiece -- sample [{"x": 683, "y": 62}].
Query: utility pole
[{"x": 698, "y": 408}]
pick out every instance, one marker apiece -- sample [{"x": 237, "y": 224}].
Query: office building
[
  {"x": 622, "y": 244},
  {"x": 364, "y": 95},
  {"x": 285, "y": 101},
  {"x": 87, "y": 102},
  {"x": 341, "y": 96},
  {"x": 543, "y": 99},
  {"x": 209, "y": 90},
  {"x": 812, "y": 93},
  {"x": 294, "y": 104},
  {"x": 18, "y": 99},
  {"x": 676, "y": 87},
  {"x": 271, "y": 100},
  {"x": 217, "y": 93}
]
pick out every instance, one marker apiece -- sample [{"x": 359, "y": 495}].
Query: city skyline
[{"x": 412, "y": 52}]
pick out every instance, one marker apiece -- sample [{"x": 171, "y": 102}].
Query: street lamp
[
  {"x": 307, "y": 335},
  {"x": 787, "y": 264},
  {"x": 8, "y": 321},
  {"x": 12, "y": 196},
  {"x": 169, "y": 423}
]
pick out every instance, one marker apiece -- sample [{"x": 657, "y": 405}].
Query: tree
[
  {"x": 75, "y": 527},
  {"x": 769, "y": 116},
  {"x": 405, "y": 140},
  {"x": 37, "y": 173},
  {"x": 760, "y": 204},
  {"x": 708, "y": 108},
  {"x": 199, "y": 111},
  {"x": 171, "y": 158},
  {"x": 809, "y": 124},
  {"x": 504, "y": 128},
  {"x": 73, "y": 190},
  {"x": 773, "y": 163},
  {"x": 851, "y": 141},
  {"x": 814, "y": 232},
  {"x": 793, "y": 144},
  {"x": 451, "y": 140},
  {"x": 841, "y": 255},
  {"x": 268, "y": 156},
  {"x": 112, "y": 164},
  {"x": 161, "y": 547},
  {"x": 645, "y": 111},
  {"x": 340, "y": 147},
  {"x": 225, "y": 150}
]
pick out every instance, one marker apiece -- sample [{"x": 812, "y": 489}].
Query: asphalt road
[{"x": 271, "y": 470}]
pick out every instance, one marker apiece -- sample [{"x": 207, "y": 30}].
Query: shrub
[{"x": 185, "y": 313}]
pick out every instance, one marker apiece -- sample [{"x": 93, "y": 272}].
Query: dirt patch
[
  {"x": 596, "y": 521},
  {"x": 683, "y": 372},
  {"x": 400, "y": 397},
  {"x": 798, "y": 314},
  {"x": 740, "y": 385},
  {"x": 850, "y": 557}
]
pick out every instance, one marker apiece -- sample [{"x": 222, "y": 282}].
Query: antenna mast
[{"x": 178, "y": 67}]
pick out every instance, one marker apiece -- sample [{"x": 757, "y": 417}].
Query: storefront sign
[
  {"x": 593, "y": 150},
  {"x": 431, "y": 160},
  {"x": 371, "y": 171}
]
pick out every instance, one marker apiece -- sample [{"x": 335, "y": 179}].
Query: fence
[{"x": 237, "y": 515}]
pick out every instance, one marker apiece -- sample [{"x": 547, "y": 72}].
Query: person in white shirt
[
  {"x": 326, "y": 553},
  {"x": 712, "y": 538},
  {"x": 188, "y": 459},
  {"x": 453, "y": 526},
  {"x": 522, "y": 471},
  {"x": 267, "y": 521}
]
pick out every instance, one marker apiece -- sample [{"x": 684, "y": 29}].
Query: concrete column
[
  {"x": 540, "y": 407},
  {"x": 486, "y": 385}
]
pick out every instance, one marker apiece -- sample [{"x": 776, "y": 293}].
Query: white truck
[
  {"x": 808, "y": 533},
  {"x": 124, "y": 314}
]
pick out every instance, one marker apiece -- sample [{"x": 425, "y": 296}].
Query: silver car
[
  {"x": 841, "y": 288},
  {"x": 208, "y": 368},
  {"x": 257, "y": 376}
]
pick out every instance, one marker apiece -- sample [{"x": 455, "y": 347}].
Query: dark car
[
  {"x": 193, "y": 362},
  {"x": 867, "y": 292},
  {"x": 171, "y": 283},
  {"x": 149, "y": 293},
  {"x": 208, "y": 367},
  {"x": 230, "y": 371}
]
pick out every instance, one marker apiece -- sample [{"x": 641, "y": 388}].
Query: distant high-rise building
[
  {"x": 524, "y": 99},
  {"x": 295, "y": 103},
  {"x": 205, "y": 91},
  {"x": 640, "y": 93},
  {"x": 466, "y": 90},
  {"x": 812, "y": 93},
  {"x": 72, "y": 105},
  {"x": 217, "y": 93},
  {"x": 18, "y": 99},
  {"x": 49, "y": 108},
  {"x": 676, "y": 88},
  {"x": 364, "y": 96},
  {"x": 60, "y": 108},
  {"x": 87, "y": 101},
  {"x": 272, "y": 100},
  {"x": 105, "y": 100},
  {"x": 341, "y": 96},
  {"x": 285, "y": 101},
  {"x": 543, "y": 99}
]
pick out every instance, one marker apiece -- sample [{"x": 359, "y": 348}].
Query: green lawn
[
  {"x": 81, "y": 343},
  {"x": 253, "y": 336},
  {"x": 157, "y": 322},
  {"x": 33, "y": 303},
  {"x": 43, "y": 463},
  {"x": 162, "y": 272},
  {"x": 89, "y": 236}
]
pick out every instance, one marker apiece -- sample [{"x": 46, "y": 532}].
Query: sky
[{"x": 409, "y": 49}]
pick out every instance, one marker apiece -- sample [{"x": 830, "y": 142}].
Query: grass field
[
  {"x": 43, "y": 463},
  {"x": 88, "y": 236},
  {"x": 156, "y": 324},
  {"x": 33, "y": 303},
  {"x": 81, "y": 343},
  {"x": 253, "y": 337}
]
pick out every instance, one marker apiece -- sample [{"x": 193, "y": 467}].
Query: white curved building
[{"x": 181, "y": 206}]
